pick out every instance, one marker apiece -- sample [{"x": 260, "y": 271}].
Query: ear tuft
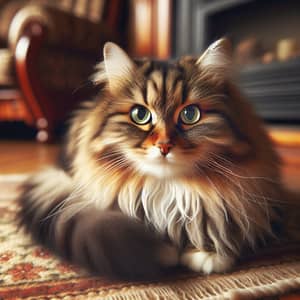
[
  {"x": 217, "y": 59},
  {"x": 117, "y": 64}
]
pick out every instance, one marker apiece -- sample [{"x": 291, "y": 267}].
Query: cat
[{"x": 169, "y": 165}]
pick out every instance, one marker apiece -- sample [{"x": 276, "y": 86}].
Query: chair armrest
[{"x": 62, "y": 29}]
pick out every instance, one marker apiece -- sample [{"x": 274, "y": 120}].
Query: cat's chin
[
  {"x": 160, "y": 171},
  {"x": 160, "y": 168},
  {"x": 154, "y": 164}
]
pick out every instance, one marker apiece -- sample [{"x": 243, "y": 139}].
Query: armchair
[{"x": 46, "y": 54}]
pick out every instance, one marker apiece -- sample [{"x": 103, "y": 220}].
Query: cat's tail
[{"x": 104, "y": 242}]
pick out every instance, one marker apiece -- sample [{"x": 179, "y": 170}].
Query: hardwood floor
[{"x": 19, "y": 157}]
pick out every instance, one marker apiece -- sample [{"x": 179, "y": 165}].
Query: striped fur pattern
[{"x": 128, "y": 206}]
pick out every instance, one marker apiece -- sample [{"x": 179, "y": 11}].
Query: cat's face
[{"x": 166, "y": 119}]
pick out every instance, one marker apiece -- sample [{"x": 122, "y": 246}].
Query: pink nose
[{"x": 164, "y": 148}]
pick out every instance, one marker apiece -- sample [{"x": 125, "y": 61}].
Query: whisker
[
  {"x": 237, "y": 167},
  {"x": 253, "y": 197}
]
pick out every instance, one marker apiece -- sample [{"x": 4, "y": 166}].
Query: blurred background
[{"x": 48, "y": 49}]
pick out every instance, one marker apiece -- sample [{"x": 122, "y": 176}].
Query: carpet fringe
[{"x": 234, "y": 287}]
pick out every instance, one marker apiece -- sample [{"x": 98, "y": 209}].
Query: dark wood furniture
[
  {"x": 35, "y": 100},
  {"x": 50, "y": 54}
]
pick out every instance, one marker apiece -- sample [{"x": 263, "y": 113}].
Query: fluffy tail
[{"x": 104, "y": 242}]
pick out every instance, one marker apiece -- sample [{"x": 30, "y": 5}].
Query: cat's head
[{"x": 166, "y": 118}]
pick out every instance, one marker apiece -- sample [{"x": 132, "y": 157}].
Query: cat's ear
[
  {"x": 116, "y": 67},
  {"x": 217, "y": 59}
]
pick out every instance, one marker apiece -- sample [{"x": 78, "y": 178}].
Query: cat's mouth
[
  {"x": 161, "y": 166},
  {"x": 153, "y": 163},
  {"x": 162, "y": 160}
]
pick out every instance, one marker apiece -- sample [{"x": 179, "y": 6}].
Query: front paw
[
  {"x": 114, "y": 245},
  {"x": 206, "y": 262}
]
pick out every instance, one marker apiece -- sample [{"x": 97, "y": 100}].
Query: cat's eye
[
  {"x": 190, "y": 115},
  {"x": 140, "y": 115}
]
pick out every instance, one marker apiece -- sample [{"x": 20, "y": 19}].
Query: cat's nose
[{"x": 164, "y": 147}]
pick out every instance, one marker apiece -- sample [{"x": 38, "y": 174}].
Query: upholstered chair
[{"x": 47, "y": 54}]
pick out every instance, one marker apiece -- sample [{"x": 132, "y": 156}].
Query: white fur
[
  {"x": 167, "y": 204},
  {"x": 152, "y": 163},
  {"x": 206, "y": 262}
]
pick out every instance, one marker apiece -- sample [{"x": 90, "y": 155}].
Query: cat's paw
[
  {"x": 206, "y": 262},
  {"x": 114, "y": 245}
]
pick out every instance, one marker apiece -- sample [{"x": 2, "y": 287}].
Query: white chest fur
[{"x": 168, "y": 205}]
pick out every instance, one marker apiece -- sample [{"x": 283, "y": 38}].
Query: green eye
[
  {"x": 191, "y": 114},
  {"x": 140, "y": 115}
]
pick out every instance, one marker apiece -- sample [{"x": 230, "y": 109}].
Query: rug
[{"x": 28, "y": 271}]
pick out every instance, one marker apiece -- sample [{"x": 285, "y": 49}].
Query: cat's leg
[
  {"x": 112, "y": 244},
  {"x": 205, "y": 261},
  {"x": 104, "y": 242}
]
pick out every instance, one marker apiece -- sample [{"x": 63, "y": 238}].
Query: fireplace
[{"x": 271, "y": 80}]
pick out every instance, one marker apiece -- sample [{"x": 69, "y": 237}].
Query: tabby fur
[{"x": 121, "y": 208}]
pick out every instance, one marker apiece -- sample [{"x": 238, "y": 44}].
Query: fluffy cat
[{"x": 168, "y": 165}]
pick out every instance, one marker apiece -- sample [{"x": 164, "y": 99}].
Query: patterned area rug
[{"x": 30, "y": 272}]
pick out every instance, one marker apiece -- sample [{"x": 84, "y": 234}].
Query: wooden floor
[{"x": 19, "y": 157}]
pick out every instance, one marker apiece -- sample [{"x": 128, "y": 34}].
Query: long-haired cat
[{"x": 168, "y": 165}]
